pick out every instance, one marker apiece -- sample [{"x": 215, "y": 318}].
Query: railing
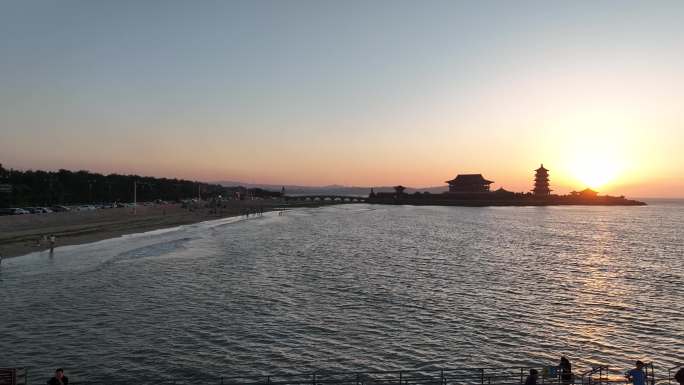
[
  {"x": 550, "y": 375},
  {"x": 602, "y": 375},
  {"x": 588, "y": 377},
  {"x": 14, "y": 376},
  {"x": 323, "y": 198},
  {"x": 650, "y": 376},
  {"x": 672, "y": 372},
  {"x": 460, "y": 376}
]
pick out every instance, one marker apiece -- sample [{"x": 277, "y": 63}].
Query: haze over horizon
[{"x": 350, "y": 93}]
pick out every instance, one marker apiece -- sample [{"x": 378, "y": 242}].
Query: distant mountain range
[{"x": 330, "y": 190}]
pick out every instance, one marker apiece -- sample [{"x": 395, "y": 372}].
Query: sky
[{"x": 364, "y": 93}]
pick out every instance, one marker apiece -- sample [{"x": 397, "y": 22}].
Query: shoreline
[{"x": 22, "y": 234}]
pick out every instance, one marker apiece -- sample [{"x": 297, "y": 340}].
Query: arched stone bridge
[{"x": 326, "y": 198}]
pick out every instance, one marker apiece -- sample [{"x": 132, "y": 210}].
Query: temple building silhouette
[
  {"x": 586, "y": 193},
  {"x": 469, "y": 183}
]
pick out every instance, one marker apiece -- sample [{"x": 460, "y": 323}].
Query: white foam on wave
[{"x": 87, "y": 255}]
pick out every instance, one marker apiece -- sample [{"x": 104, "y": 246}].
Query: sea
[{"x": 354, "y": 287}]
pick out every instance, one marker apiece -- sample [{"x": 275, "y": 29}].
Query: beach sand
[{"x": 20, "y": 234}]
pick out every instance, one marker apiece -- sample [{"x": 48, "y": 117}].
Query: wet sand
[{"x": 22, "y": 234}]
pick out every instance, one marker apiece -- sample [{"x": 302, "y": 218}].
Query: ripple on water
[{"x": 355, "y": 288}]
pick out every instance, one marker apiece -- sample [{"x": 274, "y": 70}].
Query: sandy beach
[{"x": 22, "y": 234}]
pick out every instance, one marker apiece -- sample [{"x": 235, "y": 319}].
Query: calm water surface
[{"x": 355, "y": 287}]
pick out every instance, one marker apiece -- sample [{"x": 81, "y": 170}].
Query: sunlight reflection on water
[{"x": 355, "y": 287}]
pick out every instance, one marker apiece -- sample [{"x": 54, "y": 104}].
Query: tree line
[{"x": 64, "y": 187}]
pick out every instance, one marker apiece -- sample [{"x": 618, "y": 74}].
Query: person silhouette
[
  {"x": 565, "y": 370},
  {"x": 680, "y": 376},
  {"x": 53, "y": 240},
  {"x": 59, "y": 378},
  {"x": 637, "y": 375}
]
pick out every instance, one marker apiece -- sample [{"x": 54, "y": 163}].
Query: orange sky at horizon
[
  {"x": 570, "y": 138},
  {"x": 613, "y": 147},
  {"x": 515, "y": 173}
]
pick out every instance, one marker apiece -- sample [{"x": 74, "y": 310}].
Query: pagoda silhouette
[
  {"x": 473, "y": 190},
  {"x": 541, "y": 182}
]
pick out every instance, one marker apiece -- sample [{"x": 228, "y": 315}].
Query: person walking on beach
[
  {"x": 59, "y": 378},
  {"x": 680, "y": 376},
  {"x": 532, "y": 378},
  {"x": 637, "y": 375},
  {"x": 565, "y": 370},
  {"x": 53, "y": 239}
]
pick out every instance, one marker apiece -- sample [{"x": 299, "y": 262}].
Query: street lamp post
[
  {"x": 135, "y": 194},
  {"x": 91, "y": 182},
  {"x": 135, "y": 197}
]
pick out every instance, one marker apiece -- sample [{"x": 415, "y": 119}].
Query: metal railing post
[
  {"x": 441, "y": 377},
  {"x": 521, "y": 375},
  {"x": 652, "y": 373},
  {"x": 482, "y": 376},
  {"x": 400, "y": 377}
]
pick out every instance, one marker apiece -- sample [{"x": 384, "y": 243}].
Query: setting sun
[{"x": 595, "y": 172}]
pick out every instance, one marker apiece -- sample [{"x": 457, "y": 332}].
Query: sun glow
[
  {"x": 600, "y": 154},
  {"x": 595, "y": 171}
]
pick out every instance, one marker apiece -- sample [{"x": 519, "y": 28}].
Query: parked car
[
  {"x": 82, "y": 208},
  {"x": 13, "y": 211},
  {"x": 33, "y": 210},
  {"x": 60, "y": 209},
  {"x": 44, "y": 210}
]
